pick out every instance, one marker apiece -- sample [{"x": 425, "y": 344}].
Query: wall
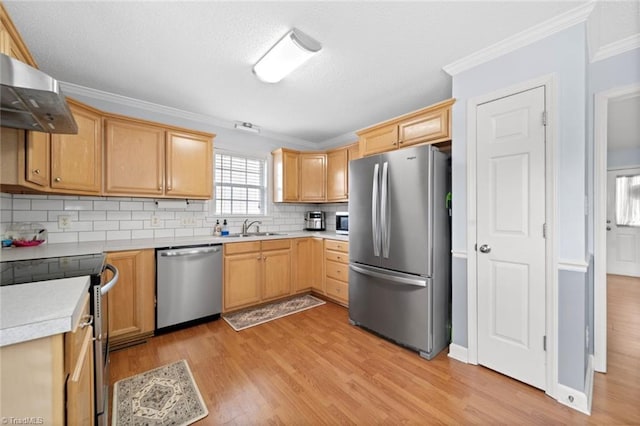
[
  {"x": 563, "y": 55},
  {"x": 622, "y": 158}
]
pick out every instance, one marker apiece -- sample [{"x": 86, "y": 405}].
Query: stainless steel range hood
[{"x": 32, "y": 100}]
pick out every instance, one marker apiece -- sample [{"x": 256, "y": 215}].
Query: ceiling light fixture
[
  {"x": 291, "y": 51},
  {"x": 247, "y": 127}
]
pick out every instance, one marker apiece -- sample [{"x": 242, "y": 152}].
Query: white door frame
[
  {"x": 600, "y": 119},
  {"x": 550, "y": 84}
]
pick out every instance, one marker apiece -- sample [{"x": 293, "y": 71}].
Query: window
[
  {"x": 240, "y": 185},
  {"x": 628, "y": 200}
]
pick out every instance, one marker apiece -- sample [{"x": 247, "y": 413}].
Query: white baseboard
[
  {"x": 459, "y": 353},
  {"x": 579, "y": 400}
]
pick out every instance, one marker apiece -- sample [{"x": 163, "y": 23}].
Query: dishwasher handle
[{"x": 189, "y": 252}]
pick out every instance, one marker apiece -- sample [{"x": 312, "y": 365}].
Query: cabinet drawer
[
  {"x": 74, "y": 339},
  {"x": 336, "y": 245},
  {"x": 276, "y": 244},
  {"x": 336, "y": 256},
  {"x": 338, "y": 271},
  {"x": 337, "y": 289},
  {"x": 428, "y": 127},
  {"x": 247, "y": 247}
]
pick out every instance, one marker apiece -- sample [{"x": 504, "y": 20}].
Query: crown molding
[
  {"x": 207, "y": 120},
  {"x": 617, "y": 47},
  {"x": 338, "y": 141},
  {"x": 522, "y": 39}
]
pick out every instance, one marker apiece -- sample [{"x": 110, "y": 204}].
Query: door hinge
[
  {"x": 544, "y": 118},
  {"x": 544, "y": 230},
  {"x": 544, "y": 343},
  {"x": 475, "y": 247}
]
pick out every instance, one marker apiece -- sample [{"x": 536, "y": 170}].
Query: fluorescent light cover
[
  {"x": 247, "y": 127},
  {"x": 291, "y": 51}
]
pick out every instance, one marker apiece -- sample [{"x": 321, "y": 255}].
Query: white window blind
[
  {"x": 240, "y": 185},
  {"x": 628, "y": 200}
]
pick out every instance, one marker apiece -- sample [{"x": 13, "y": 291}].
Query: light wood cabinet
[
  {"x": 313, "y": 172},
  {"x": 427, "y": 125},
  {"x": 132, "y": 300},
  {"x": 11, "y": 42},
  {"x": 134, "y": 158},
  {"x": 286, "y": 170},
  {"x": 317, "y": 271},
  {"x": 302, "y": 265},
  {"x": 336, "y": 267},
  {"x": 51, "y": 377},
  {"x": 38, "y": 159},
  {"x": 76, "y": 160},
  {"x": 337, "y": 169},
  {"x": 24, "y": 165},
  {"x": 189, "y": 171},
  {"x": 353, "y": 151},
  {"x": 256, "y": 271}
]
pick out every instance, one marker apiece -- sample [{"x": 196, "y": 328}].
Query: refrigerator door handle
[
  {"x": 384, "y": 213},
  {"x": 405, "y": 280},
  {"x": 374, "y": 212}
]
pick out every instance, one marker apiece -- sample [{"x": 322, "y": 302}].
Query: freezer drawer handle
[
  {"x": 188, "y": 253},
  {"x": 419, "y": 282},
  {"x": 375, "y": 224}
]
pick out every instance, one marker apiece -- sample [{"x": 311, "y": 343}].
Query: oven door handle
[{"x": 109, "y": 285}]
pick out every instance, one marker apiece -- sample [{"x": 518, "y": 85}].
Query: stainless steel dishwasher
[{"x": 189, "y": 286}]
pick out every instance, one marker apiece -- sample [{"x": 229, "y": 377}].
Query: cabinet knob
[
  {"x": 160, "y": 187},
  {"x": 258, "y": 257},
  {"x": 339, "y": 258},
  {"x": 58, "y": 179},
  {"x": 36, "y": 171},
  {"x": 264, "y": 257}
]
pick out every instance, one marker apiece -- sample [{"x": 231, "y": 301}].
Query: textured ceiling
[
  {"x": 379, "y": 59},
  {"x": 623, "y": 123}
]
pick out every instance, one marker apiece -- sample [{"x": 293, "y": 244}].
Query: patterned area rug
[
  {"x": 166, "y": 395},
  {"x": 254, "y": 316}
]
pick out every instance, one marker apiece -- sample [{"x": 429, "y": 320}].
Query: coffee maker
[{"x": 314, "y": 221}]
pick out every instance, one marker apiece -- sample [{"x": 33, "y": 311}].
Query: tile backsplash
[{"x": 121, "y": 218}]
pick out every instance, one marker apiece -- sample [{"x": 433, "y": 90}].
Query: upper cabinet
[
  {"x": 337, "y": 167},
  {"x": 76, "y": 160},
  {"x": 428, "y": 125},
  {"x": 11, "y": 43},
  {"x": 313, "y": 171},
  {"x": 189, "y": 172},
  {"x": 286, "y": 170}
]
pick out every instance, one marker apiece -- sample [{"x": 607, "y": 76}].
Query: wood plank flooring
[{"x": 315, "y": 368}]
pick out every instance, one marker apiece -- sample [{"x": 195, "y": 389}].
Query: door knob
[
  {"x": 608, "y": 228},
  {"x": 485, "y": 248},
  {"x": 608, "y": 221}
]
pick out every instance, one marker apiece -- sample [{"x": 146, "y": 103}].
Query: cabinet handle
[
  {"x": 36, "y": 171},
  {"x": 258, "y": 257},
  {"x": 58, "y": 179},
  {"x": 264, "y": 258},
  {"x": 88, "y": 320}
]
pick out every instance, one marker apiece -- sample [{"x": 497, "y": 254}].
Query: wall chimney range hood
[{"x": 32, "y": 100}]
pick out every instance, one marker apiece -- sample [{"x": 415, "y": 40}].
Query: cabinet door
[
  {"x": 378, "y": 140},
  {"x": 302, "y": 265},
  {"x": 313, "y": 176},
  {"x": 134, "y": 158},
  {"x": 317, "y": 269},
  {"x": 353, "y": 151},
  {"x": 277, "y": 273},
  {"x": 132, "y": 300},
  {"x": 337, "y": 166},
  {"x": 242, "y": 277},
  {"x": 189, "y": 170},
  {"x": 430, "y": 127},
  {"x": 76, "y": 160},
  {"x": 37, "y": 158},
  {"x": 80, "y": 384},
  {"x": 290, "y": 172}
]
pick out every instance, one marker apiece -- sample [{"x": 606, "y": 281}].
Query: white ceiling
[
  {"x": 379, "y": 59},
  {"x": 623, "y": 123}
]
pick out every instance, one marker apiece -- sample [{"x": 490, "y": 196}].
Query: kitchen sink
[{"x": 256, "y": 234}]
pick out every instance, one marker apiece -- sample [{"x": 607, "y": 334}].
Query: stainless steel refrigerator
[{"x": 399, "y": 247}]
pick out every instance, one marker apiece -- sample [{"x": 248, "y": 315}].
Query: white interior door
[
  {"x": 510, "y": 238},
  {"x": 623, "y": 222}
]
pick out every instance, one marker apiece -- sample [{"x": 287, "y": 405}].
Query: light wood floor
[{"x": 314, "y": 368}]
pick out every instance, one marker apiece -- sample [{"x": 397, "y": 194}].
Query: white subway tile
[
  {"x": 113, "y": 215},
  {"x": 29, "y": 196},
  {"x": 164, "y": 215},
  {"x": 6, "y": 203},
  {"x": 149, "y": 206},
  {"x": 130, "y": 224},
  {"x": 105, "y": 225},
  {"x": 147, "y": 233},
  {"x": 184, "y": 232},
  {"x": 183, "y": 214},
  {"x": 106, "y": 205},
  {"x": 202, "y": 231},
  {"x": 147, "y": 225},
  {"x": 163, "y": 233},
  {"x": 32, "y": 216},
  {"x": 78, "y": 205},
  {"x": 21, "y": 204},
  {"x": 46, "y": 205},
  {"x": 63, "y": 237},
  {"x": 130, "y": 205},
  {"x": 92, "y": 236},
  {"x": 82, "y": 226},
  {"x": 172, "y": 224},
  {"x": 6, "y": 216},
  {"x": 93, "y": 215},
  {"x": 53, "y": 215},
  {"x": 140, "y": 215},
  {"x": 118, "y": 235}
]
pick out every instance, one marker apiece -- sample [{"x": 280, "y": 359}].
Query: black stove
[{"x": 52, "y": 268}]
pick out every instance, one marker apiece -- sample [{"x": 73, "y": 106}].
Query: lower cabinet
[
  {"x": 256, "y": 271},
  {"x": 336, "y": 267},
  {"x": 50, "y": 378},
  {"x": 132, "y": 300}
]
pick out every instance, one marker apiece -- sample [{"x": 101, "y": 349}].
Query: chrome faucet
[{"x": 245, "y": 227}]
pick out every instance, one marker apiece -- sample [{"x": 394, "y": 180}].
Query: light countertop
[
  {"x": 91, "y": 247},
  {"x": 40, "y": 309}
]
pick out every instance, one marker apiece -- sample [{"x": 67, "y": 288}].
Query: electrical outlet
[
  {"x": 188, "y": 221},
  {"x": 155, "y": 221},
  {"x": 64, "y": 222}
]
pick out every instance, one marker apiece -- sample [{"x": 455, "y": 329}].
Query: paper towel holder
[{"x": 172, "y": 204}]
